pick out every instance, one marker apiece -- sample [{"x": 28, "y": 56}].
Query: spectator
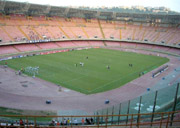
[
  {"x": 92, "y": 121},
  {"x": 75, "y": 122},
  {"x": 52, "y": 123},
  {"x": 87, "y": 121},
  {"x": 65, "y": 122},
  {"x": 68, "y": 121},
  {"x": 16, "y": 123},
  {"x": 12, "y": 126},
  {"x": 82, "y": 121},
  {"x": 21, "y": 122},
  {"x": 58, "y": 124}
]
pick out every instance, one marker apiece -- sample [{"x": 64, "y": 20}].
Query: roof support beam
[
  {"x": 2, "y": 5},
  {"x": 66, "y": 11},
  {"x": 26, "y": 7},
  {"x": 47, "y": 10},
  {"x": 98, "y": 14},
  {"x": 114, "y": 15}
]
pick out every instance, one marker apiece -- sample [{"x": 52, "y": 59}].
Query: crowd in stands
[{"x": 65, "y": 122}]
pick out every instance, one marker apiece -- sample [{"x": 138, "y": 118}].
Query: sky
[{"x": 174, "y": 5}]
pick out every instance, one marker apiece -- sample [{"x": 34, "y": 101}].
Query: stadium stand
[
  {"x": 113, "y": 44},
  {"x": 66, "y": 44},
  {"x": 81, "y": 43},
  {"x": 5, "y": 37},
  {"x": 24, "y": 47},
  {"x": 39, "y": 28},
  {"x": 50, "y": 45},
  {"x": 7, "y": 49},
  {"x": 59, "y": 28},
  {"x": 96, "y": 43},
  {"x": 127, "y": 45}
]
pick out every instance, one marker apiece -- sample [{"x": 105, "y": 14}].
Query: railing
[
  {"x": 164, "y": 119},
  {"x": 166, "y": 99}
]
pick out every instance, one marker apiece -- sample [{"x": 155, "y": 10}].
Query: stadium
[{"x": 74, "y": 67}]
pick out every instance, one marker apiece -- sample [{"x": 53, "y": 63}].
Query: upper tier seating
[
  {"x": 14, "y": 33},
  {"x": 19, "y": 28}
]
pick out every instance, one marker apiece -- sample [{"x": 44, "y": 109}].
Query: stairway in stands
[
  {"x": 23, "y": 32},
  {"x": 7, "y": 33},
  {"x": 16, "y": 48},
  {"x": 36, "y": 32},
  {"x": 64, "y": 32},
  {"x": 102, "y": 32}
]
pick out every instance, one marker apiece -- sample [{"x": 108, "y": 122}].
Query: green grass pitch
[{"x": 93, "y": 77}]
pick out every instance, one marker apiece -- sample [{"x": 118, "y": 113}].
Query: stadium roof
[
  {"x": 171, "y": 4},
  {"x": 11, "y": 7}
]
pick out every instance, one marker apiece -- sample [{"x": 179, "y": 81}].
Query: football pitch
[{"x": 92, "y": 76}]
